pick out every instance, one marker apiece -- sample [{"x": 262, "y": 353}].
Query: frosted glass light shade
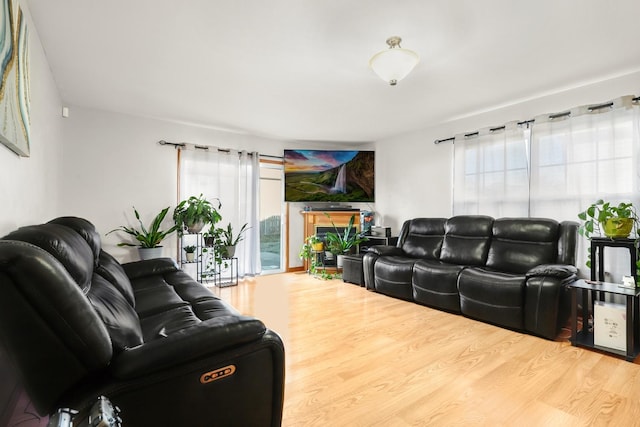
[{"x": 393, "y": 64}]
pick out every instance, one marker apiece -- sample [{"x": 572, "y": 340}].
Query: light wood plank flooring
[{"x": 357, "y": 358}]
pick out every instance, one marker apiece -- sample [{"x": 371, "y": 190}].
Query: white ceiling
[{"x": 298, "y": 69}]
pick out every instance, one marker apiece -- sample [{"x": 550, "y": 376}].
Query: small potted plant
[
  {"x": 194, "y": 213},
  {"x": 228, "y": 241},
  {"x": 615, "y": 221},
  {"x": 190, "y": 251},
  {"x": 316, "y": 243},
  {"x": 148, "y": 240},
  {"x": 307, "y": 253}
]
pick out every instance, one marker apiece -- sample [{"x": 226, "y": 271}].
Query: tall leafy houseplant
[
  {"x": 194, "y": 213},
  {"x": 146, "y": 238},
  {"x": 342, "y": 243},
  {"x": 228, "y": 240}
]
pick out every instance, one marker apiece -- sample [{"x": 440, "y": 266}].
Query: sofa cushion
[
  {"x": 393, "y": 276},
  {"x": 466, "y": 240},
  {"x": 422, "y": 237},
  {"x": 492, "y": 296},
  {"x": 436, "y": 284},
  {"x": 154, "y": 295},
  {"x": 520, "y": 244},
  {"x": 116, "y": 313},
  {"x": 165, "y": 323},
  {"x": 109, "y": 268}
]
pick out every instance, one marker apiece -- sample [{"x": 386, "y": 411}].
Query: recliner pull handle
[{"x": 216, "y": 374}]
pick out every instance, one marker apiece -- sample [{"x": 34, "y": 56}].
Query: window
[
  {"x": 563, "y": 164},
  {"x": 490, "y": 172},
  {"x": 271, "y": 241}
]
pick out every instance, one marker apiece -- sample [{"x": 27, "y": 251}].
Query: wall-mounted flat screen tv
[{"x": 334, "y": 176}]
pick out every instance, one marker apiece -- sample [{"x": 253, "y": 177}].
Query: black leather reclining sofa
[
  {"x": 77, "y": 325},
  {"x": 511, "y": 272}
]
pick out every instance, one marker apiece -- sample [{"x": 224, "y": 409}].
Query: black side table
[
  {"x": 232, "y": 265},
  {"x": 597, "y": 255},
  {"x": 585, "y": 338},
  {"x": 352, "y": 269}
]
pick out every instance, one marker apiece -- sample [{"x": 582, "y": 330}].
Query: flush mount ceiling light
[{"x": 393, "y": 64}]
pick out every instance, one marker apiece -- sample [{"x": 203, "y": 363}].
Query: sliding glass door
[{"x": 271, "y": 208}]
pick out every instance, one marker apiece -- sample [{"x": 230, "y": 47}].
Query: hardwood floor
[{"x": 357, "y": 358}]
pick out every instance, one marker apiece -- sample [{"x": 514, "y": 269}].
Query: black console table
[
  {"x": 597, "y": 255},
  {"x": 585, "y": 337}
]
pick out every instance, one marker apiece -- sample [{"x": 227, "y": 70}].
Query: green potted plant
[
  {"x": 308, "y": 253},
  {"x": 343, "y": 243},
  {"x": 194, "y": 213},
  {"x": 316, "y": 243},
  {"x": 228, "y": 241},
  {"x": 148, "y": 239},
  {"x": 190, "y": 251},
  {"x": 615, "y": 221}
]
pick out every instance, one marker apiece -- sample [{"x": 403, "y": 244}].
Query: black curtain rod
[
  {"x": 173, "y": 144},
  {"x": 551, "y": 117},
  {"x": 438, "y": 141},
  {"x": 600, "y": 107},
  {"x": 197, "y": 147}
]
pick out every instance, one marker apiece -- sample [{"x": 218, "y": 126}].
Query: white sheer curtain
[
  {"x": 491, "y": 172},
  {"x": 584, "y": 155},
  {"x": 234, "y": 178},
  {"x": 565, "y": 163}
]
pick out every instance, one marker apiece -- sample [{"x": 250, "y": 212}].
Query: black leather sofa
[
  {"x": 511, "y": 272},
  {"x": 77, "y": 324}
]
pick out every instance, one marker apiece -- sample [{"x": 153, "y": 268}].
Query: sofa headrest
[
  {"x": 520, "y": 244},
  {"x": 66, "y": 245},
  {"x": 526, "y": 229},
  {"x": 470, "y": 226},
  {"x": 466, "y": 240},
  {"x": 422, "y": 237},
  {"x": 85, "y": 229}
]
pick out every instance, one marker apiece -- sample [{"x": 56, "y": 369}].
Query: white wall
[
  {"x": 413, "y": 175},
  {"x": 99, "y": 164},
  {"x": 113, "y": 162},
  {"x": 30, "y": 186}
]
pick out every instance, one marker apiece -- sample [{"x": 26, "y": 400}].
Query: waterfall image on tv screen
[{"x": 329, "y": 176}]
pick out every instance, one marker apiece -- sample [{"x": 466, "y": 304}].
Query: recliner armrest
[
  {"x": 558, "y": 271},
  {"x": 383, "y": 250},
  {"x": 206, "y": 338},
  {"x": 149, "y": 267}
]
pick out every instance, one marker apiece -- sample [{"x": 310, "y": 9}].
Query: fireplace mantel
[{"x": 313, "y": 219}]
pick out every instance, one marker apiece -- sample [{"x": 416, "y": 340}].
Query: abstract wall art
[{"x": 14, "y": 87}]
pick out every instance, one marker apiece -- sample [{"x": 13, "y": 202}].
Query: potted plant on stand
[
  {"x": 614, "y": 221},
  {"x": 343, "y": 243},
  {"x": 194, "y": 213},
  {"x": 228, "y": 241},
  {"x": 311, "y": 248},
  {"x": 190, "y": 251},
  {"x": 316, "y": 243},
  {"x": 148, "y": 240}
]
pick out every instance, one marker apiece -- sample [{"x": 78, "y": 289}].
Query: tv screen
[{"x": 334, "y": 176}]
